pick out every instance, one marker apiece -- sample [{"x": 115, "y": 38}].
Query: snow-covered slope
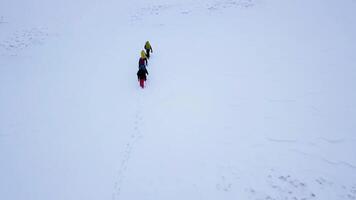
[{"x": 246, "y": 99}]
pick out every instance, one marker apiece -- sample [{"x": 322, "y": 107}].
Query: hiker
[
  {"x": 141, "y": 75},
  {"x": 148, "y": 49}
]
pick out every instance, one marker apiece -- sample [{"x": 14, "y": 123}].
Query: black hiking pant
[{"x": 148, "y": 53}]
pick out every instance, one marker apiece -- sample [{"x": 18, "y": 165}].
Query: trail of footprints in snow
[
  {"x": 286, "y": 187},
  {"x": 22, "y": 39},
  {"x": 211, "y": 6},
  {"x": 137, "y": 134},
  {"x": 227, "y": 179},
  {"x": 350, "y": 192},
  {"x": 2, "y": 20},
  {"x": 218, "y": 5}
]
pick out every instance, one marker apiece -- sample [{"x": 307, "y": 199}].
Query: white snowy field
[{"x": 246, "y": 99}]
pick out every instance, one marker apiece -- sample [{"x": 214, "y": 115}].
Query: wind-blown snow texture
[{"x": 246, "y": 99}]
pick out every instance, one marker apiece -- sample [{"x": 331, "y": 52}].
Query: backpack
[
  {"x": 142, "y": 63},
  {"x": 141, "y": 74},
  {"x": 147, "y": 45}
]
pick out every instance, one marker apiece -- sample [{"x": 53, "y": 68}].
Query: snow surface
[{"x": 246, "y": 99}]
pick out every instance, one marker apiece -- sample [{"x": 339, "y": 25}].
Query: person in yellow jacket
[{"x": 148, "y": 49}]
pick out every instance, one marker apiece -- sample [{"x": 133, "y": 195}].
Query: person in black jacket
[{"x": 142, "y": 76}]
